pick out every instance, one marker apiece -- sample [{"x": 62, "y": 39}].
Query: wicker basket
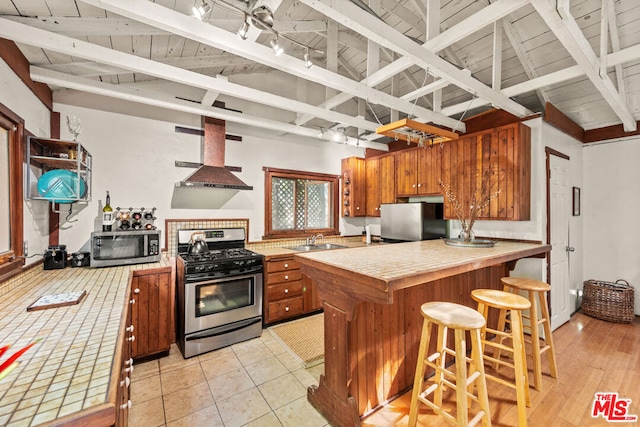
[{"x": 608, "y": 301}]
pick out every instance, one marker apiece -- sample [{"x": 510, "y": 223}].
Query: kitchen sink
[{"x": 322, "y": 247}]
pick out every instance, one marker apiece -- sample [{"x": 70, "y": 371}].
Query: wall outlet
[{"x": 25, "y": 248}]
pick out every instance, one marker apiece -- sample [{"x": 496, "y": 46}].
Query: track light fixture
[
  {"x": 307, "y": 61},
  {"x": 202, "y": 10},
  {"x": 277, "y": 49},
  {"x": 244, "y": 30}
]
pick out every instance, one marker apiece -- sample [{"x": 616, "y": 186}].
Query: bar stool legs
[
  {"x": 514, "y": 304},
  {"x": 447, "y": 316},
  {"x": 536, "y": 291}
]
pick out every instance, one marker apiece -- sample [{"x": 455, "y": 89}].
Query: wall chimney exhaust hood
[
  {"x": 213, "y": 173},
  {"x": 212, "y": 185}
]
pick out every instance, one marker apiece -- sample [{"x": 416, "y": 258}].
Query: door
[{"x": 559, "y": 214}]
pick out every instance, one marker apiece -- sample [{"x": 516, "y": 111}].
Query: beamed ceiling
[{"x": 376, "y": 61}]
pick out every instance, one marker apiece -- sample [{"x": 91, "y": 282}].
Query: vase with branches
[{"x": 467, "y": 215}]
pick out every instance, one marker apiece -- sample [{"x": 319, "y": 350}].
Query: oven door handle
[{"x": 222, "y": 330}]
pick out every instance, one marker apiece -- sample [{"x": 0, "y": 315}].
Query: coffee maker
[{"x": 55, "y": 257}]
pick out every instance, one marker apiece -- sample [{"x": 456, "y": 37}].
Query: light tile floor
[{"x": 255, "y": 383}]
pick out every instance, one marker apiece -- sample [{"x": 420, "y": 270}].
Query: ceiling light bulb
[
  {"x": 244, "y": 30},
  {"x": 201, "y": 11},
  {"x": 277, "y": 49},
  {"x": 307, "y": 61}
]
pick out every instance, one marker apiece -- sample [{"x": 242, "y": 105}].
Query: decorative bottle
[{"x": 107, "y": 214}]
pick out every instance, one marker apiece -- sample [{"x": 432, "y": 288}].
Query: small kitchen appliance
[
  {"x": 55, "y": 257},
  {"x": 406, "y": 222},
  {"x": 80, "y": 259},
  {"x": 112, "y": 248},
  {"x": 219, "y": 290}
]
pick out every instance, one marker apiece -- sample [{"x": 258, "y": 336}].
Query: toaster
[
  {"x": 55, "y": 257},
  {"x": 80, "y": 259}
]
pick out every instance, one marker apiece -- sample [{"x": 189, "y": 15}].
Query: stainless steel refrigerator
[{"x": 412, "y": 221}]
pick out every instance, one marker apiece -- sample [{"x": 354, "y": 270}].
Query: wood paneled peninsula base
[{"x": 371, "y": 299}]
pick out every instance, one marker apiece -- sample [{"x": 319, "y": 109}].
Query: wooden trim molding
[
  {"x": 559, "y": 120},
  {"x": 10, "y": 53},
  {"x": 54, "y": 216}
]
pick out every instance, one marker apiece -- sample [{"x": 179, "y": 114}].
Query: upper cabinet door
[
  {"x": 406, "y": 173},
  {"x": 373, "y": 195},
  {"x": 490, "y": 162},
  {"x": 388, "y": 179},
  {"x": 430, "y": 170}
]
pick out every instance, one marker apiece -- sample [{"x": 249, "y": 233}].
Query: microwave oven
[{"x": 113, "y": 248}]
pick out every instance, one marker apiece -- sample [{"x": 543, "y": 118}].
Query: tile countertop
[{"x": 70, "y": 369}]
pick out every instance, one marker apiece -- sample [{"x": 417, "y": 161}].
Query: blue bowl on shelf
[{"x": 61, "y": 186}]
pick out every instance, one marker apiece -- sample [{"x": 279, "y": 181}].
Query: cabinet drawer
[
  {"x": 282, "y": 265},
  {"x": 285, "y": 308},
  {"x": 284, "y": 290},
  {"x": 284, "y": 276}
]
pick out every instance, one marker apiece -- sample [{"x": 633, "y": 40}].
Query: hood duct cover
[{"x": 213, "y": 173}]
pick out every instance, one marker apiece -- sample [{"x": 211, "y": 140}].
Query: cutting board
[{"x": 57, "y": 300}]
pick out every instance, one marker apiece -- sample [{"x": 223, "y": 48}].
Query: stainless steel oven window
[{"x": 215, "y": 298}]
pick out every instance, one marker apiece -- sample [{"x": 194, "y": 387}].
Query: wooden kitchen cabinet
[
  {"x": 419, "y": 171},
  {"x": 380, "y": 183},
  {"x": 287, "y": 293},
  {"x": 353, "y": 187},
  {"x": 495, "y": 159},
  {"x": 123, "y": 401},
  {"x": 151, "y": 312}
]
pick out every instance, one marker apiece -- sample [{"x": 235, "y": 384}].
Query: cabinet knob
[
  {"x": 286, "y": 277},
  {"x": 132, "y": 338},
  {"x": 129, "y": 362},
  {"x": 414, "y": 186},
  {"x": 126, "y": 405},
  {"x": 286, "y": 291},
  {"x": 129, "y": 328},
  {"x": 129, "y": 369},
  {"x": 286, "y": 309},
  {"x": 125, "y": 383},
  {"x": 419, "y": 185},
  {"x": 136, "y": 291},
  {"x": 286, "y": 266},
  {"x": 132, "y": 301},
  {"x": 358, "y": 208}
]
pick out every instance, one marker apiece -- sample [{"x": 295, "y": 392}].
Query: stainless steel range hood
[
  {"x": 213, "y": 173},
  {"x": 212, "y": 185}
]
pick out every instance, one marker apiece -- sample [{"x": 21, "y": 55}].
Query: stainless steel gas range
[{"x": 219, "y": 290}]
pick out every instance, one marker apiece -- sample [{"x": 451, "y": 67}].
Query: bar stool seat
[
  {"x": 537, "y": 295},
  {"x": 445, "y": 316},
  {"x": 513, "y": 304}
]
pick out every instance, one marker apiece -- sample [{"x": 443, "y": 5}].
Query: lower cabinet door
[{"x": 151, "y": 313}]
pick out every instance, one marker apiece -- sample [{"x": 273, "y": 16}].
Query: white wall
[
  {"x": 19, "y": 99},
  {"x": 611, "y": 203},
  {"x": 134, "y": 158}
]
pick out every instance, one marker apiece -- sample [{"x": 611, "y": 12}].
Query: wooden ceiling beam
[
  {"x": 563, "y": 25},
  {"x": 81, "y": 49},
  {"x": 186, "y": 26},
  {"x": 166, "y": 101},
  {"x": 362, "y": 22}
]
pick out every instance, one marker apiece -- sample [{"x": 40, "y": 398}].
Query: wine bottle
[{"x": 107, "y": 214}]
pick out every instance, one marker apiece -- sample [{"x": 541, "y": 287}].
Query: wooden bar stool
[
  {"x": 513, "y": 304},
  {"x": 445, "y": 316},
  {"x": 537, "y": 293}
]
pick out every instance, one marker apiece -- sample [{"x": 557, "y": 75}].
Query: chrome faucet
[{"x": 311, "y": 241}]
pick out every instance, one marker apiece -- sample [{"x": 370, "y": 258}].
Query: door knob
[{"x": 570, "y": 249}]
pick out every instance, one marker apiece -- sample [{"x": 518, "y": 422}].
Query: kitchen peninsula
[{"x": 371, "y": 299}]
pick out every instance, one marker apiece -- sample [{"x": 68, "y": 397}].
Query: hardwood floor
[{"x": 593, "y": 356}]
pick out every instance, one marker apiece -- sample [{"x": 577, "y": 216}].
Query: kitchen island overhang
[{"x": 372, "y": 296}]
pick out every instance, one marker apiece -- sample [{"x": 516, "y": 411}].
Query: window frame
[
  {"x": 14, "y": 258},
  {"x": 334, "y": 180}
]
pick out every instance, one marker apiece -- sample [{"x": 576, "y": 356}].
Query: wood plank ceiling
[{"x": 374, "y": 61}]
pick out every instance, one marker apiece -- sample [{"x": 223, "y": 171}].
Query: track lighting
[
  {"x": 307, "y": 61},
  {"x": 277, "y": 49},
  {"x": 201, "y": 11},
  {"x": 244, "y": 30}
]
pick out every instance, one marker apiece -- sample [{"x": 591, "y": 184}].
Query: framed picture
[{"x": 576, "y": 201}]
